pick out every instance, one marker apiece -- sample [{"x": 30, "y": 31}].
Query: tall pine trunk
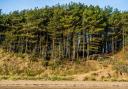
[
  {"x": 123, "y": 34},
  {"x": 74, "y": 49},
  {"x": 87, "y": 35},
  {"x": 53, "y": 48},
  {"x": 83, "y": 43}
]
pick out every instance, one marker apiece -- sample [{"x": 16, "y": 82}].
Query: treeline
[{"x": 70, "y": 31}]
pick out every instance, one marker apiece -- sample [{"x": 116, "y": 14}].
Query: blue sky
[{"x": 11, "y": 5}]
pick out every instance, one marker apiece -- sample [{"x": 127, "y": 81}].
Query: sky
[{"x": 11, "y": 5}]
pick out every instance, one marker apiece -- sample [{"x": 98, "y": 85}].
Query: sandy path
[
  {"x": 101, "y": 72},
  {"x": 62, "y": 85}
]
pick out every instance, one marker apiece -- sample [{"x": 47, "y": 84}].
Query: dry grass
[{"x": 21, "y": 67}]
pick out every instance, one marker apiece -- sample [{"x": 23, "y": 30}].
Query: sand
[{"x": 23, "y": 84}]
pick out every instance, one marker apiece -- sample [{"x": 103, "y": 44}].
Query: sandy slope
[{"x": 22, "y": 84}]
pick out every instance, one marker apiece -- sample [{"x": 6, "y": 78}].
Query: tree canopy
[{"x": 70, "y": 31}]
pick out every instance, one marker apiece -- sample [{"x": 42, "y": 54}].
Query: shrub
[{"x": 121, "y": 67}]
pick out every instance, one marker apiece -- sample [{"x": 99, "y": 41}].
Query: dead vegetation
[
  {"x": 20, "y": 67},
  {"x": 14, "y": 66}
]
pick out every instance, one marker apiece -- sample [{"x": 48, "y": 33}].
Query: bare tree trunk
[
  {"x": 53, "y": 44},
  {"x": 60, "y": 50},
  {"x": 64, "y": 48},
  {"x": 74, "y": 48},
  {"x": 78, "y": 46},
  {"x": 22, "y": 48},
  {"x": 87, "y": 46},
  {"x": 26, "y": 44},
  {"x": 40, "y": 48},
  {"x": 67, "y": 52},
  {"x": 123, "y": 40},
  {"x": 83, "y": 44},
  {"x": 106, "y": 47},
  {"x": 113, "y": 47}
]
